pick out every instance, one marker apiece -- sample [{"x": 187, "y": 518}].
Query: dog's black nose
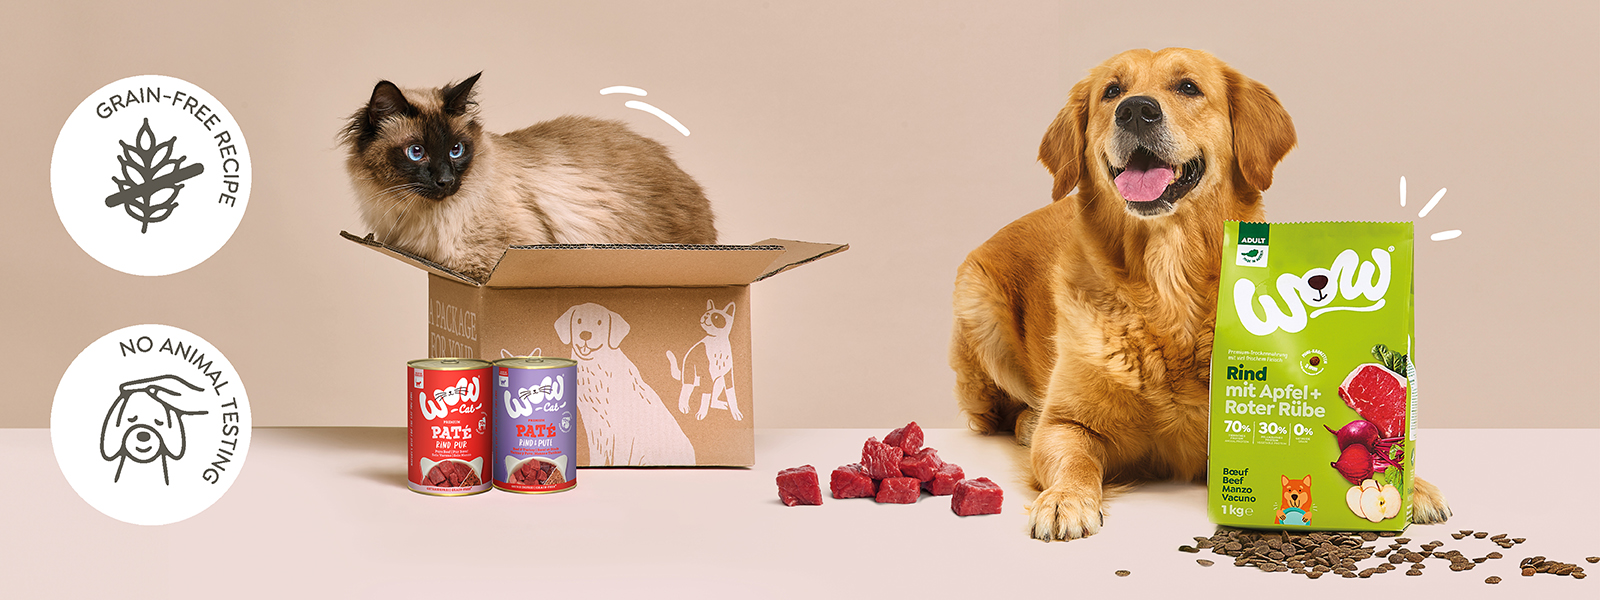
[
  {"x": 1138, "y": 113},
  {"x": 144, "y": 436}
]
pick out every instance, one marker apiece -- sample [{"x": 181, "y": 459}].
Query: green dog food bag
[{"x": 1313, "y": 392}]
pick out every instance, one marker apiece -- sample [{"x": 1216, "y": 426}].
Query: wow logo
[
  {"x": 442, "y": 401},
  {"x": 545, "y": 397},
  {"x": 1361, "y": 285}
]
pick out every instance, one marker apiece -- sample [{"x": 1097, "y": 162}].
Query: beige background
[{"x": 907, "y": 129}]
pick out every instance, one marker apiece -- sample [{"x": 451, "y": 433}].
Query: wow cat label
[
  {"x": 448, "y": 421},
  {"x": 1313, "y": 387},
  {"x": 535, "y": 432}
]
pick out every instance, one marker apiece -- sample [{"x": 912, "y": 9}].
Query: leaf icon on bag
[{"x": 151, "y": 178}]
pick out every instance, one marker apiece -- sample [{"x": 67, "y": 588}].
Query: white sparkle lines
[
  {"x": 644, "y": 106},
  {"x": 1427, "y": 208}
]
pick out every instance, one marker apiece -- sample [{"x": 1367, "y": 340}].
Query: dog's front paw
[
  {"x": 1066, "y": 513},
  {"x": 1427, "y": 504}
]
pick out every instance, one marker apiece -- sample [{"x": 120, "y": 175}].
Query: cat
[
  {"x": 433, "y": 183},
  {"x": 719, "y": 362}
]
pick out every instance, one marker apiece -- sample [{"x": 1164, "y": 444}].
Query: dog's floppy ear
[
  {"x": 1062, "y": 149},
  {"x": 619, "y": 330},
  {"x": 1262, "y": 131},
  {"x": 174, "y": 430},
  {"x": 564, "y": 326},
  {"x": 111, "y": 430}
]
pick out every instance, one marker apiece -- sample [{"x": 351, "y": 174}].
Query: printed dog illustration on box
[
  {"x": 718, "y": 363},
  {"x": 142, "y": 427},
  {"x": 624, "y": 419},
  {"x": 1295, "y": 508}
]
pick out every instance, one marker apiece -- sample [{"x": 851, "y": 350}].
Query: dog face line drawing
[{"x": 142, "y": 427}]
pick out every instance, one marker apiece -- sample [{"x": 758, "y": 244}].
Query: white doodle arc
[{"x": 645, "y": 106}]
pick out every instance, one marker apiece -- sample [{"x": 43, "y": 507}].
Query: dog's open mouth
[{"x": 1151, "y": 186}]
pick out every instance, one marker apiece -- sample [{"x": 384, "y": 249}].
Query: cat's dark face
[{"x": 423, "y": 144}]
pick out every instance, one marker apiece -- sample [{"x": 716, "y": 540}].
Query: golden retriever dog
[{"x": 1085, "y": 327}]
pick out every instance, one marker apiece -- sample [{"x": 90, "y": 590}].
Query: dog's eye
[
  {"x": 1188, "y": 88},
  {"x": 1112, "y": 91},
  {"x": 132, "y": 419}
]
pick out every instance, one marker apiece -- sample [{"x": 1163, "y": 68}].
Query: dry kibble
[
  {"x": 1593, "y": 559},
  {"x": 1481, "y": 534},
  {"x": 1528, "y": 571},
  {"x": 1492, "y": 579},
  {"x": 1189, "y": 549},
  {"x": 1123, "y": 573},
  {"x": 1204, "y": 563},
  {"x": 1494, "y": 555},
  {"x": 1458, "y": 535}
]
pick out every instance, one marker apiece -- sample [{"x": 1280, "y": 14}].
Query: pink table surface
[{"x": 324, "y": 512}]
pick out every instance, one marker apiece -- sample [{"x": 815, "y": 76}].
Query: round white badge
[
  {"x": 150, "y": 424},
  {"x": 150, "y": 175}
]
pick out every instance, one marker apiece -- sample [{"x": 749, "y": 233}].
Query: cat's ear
[
  {"x": 729, "y": 310},
  {"x": 458, "y": 97},
  {"x": 387, "y": 101},
  {"x": 710, "y": 305}
]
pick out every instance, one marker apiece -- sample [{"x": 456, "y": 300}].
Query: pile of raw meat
[{"x": 895, "y": 471}]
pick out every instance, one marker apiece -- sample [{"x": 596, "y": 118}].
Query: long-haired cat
[{"x": 432, "y": 182}]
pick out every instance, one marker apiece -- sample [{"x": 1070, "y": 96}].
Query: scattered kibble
[
  {"x": 1123, "y": 573},
  {"x": 1314, "y": 554}
]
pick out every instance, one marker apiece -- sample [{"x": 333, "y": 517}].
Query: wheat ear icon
[{"x": 148, "y": 170}]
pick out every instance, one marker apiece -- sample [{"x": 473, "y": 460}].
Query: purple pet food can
[{"x": 535, "y": 424}]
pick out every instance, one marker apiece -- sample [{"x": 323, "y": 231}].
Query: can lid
[
  {"x": 535, "y": 362},
  {"x": 448, "y": 364}
]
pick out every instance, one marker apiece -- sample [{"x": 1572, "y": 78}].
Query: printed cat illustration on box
[{"x": 714, "y": 360}]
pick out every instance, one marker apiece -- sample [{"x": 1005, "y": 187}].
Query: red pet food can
[
  {"x": 535, "y": 424},
  {"x": 450, "y": 427}
]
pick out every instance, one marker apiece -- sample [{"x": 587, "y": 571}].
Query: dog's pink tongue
[{"x": 1143, "y": 186}]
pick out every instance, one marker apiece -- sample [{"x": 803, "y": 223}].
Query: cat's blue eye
[
  {"x": 415, "y": 152},
  {"x": 457, "y": 150}
]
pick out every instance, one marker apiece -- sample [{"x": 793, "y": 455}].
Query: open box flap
[
  {"x": 629, "y": 265},
  {"x": 408, "y": 258}
]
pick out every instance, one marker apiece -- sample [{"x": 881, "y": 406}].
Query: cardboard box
[{"x": 661, "y": 334}]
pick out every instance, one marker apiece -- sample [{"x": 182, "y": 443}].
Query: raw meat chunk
[
  {"x": 944, "y": 480},
  {"x": 799, "y": 486},
  {"x": 899, "y": 490},
  {"x": 852, "y": 481},
  {"x": 881, "y": 460},
  {"x": 976, "y": 497},
  {"x": 1378, "y": 395},
  {"x": 908, "y": 439},
  {"x": 921, "y": 465}
]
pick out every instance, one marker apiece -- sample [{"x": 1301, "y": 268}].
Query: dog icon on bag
[{"x": 143, "y": 426}]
